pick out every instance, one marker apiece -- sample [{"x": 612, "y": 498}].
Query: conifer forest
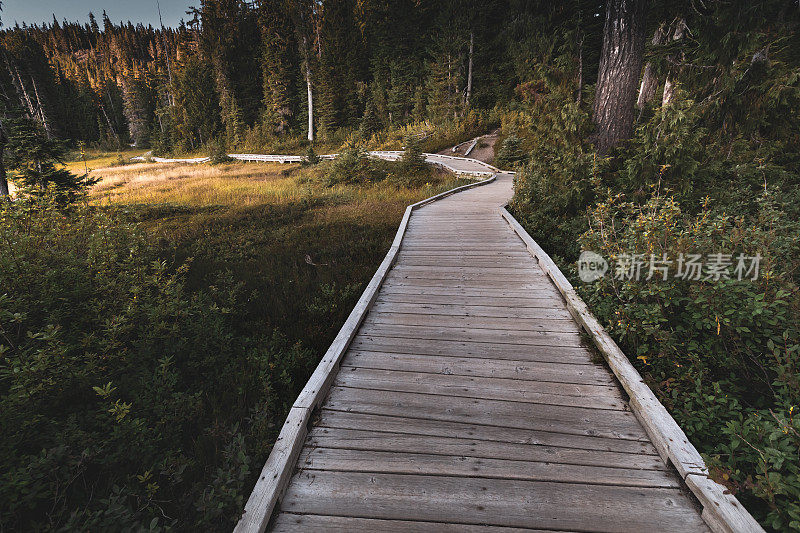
[{"x": 164, "y": 300}]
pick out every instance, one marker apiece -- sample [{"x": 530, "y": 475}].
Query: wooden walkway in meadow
[{"x": 467, "y": 402}]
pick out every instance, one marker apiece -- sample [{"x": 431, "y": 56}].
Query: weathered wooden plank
[
  {"x": 469, "y": 270},
  {"x": 476, "y": 249},
  {"x": 520, "y": 371},
  {"x": 545, "y": 311},
  {"x": 479, "y": 292},
  {"x": 507, "y": 304},
  {"x": 445, "y": 261},
  {"x": 446, "y": 235},
  {"x": 561, "y": 419},
  {"x": 442, "y": 275},
  {"x": 502, "y": 253},
  {"x": 446, "y": 228},
  {"x": 596, "y": 396},
  {"x": 499, "y": 502},
  {"x": 290, "y": 523},
  {"x": 396, "y": 462},
  {"x": 485, "y": 350},
  {"x": 519, "y": 286},
  {"x": 534, "y": 338},
  {"x": 355, "y": 439},
  {"x": 418, "y": 425},
  {"x": 447, "y": 243},
  {"x": 473, "y": 322}
]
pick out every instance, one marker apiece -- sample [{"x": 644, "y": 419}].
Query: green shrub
[
  {"x": 510, "y": 155},
  {"x": 218, "y": 151},
  {"x": 354, "y": 166},
  {"x": 411, "y": 170},
  {"x": 560, "y": 179},
  {"x": 126, "y": 400},
  {"x": 720, "y": 354},
  {"x": 311, "y": 157}
]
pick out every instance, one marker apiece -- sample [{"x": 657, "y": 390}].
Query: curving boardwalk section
[{"x": 467, "y": 402}]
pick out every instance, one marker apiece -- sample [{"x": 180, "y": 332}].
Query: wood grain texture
[
  {"x": 420, "y": 463},
  {"x": 503, "y": 502},
  {"x": 424, "y": 426},
  {"x": 290, "y": 523}
]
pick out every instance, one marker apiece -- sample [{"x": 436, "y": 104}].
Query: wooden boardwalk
[{"x": 468, "y": 402}]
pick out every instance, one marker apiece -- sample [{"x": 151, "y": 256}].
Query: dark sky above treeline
[{"x": 144, "y": 11}]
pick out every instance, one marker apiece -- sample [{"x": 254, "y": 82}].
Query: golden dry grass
[
  {"x": 230, "y": 184},
  {"x": 100, "y": 160},
  {"x": 241, "y": 184}
]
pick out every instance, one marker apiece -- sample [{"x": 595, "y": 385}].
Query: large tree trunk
[
  {"x": 618, "y": 75},
  {"x": 669, "y": 86},
  {"x": 649, "y": 86}
]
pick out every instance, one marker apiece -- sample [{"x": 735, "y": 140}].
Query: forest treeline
[{"x": 244, "y": 73}]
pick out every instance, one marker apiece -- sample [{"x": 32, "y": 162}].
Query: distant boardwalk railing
[{"x": 466, "y": 165}]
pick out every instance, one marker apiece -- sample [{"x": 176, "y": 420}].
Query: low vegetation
[{"x": 155, "y": 333}]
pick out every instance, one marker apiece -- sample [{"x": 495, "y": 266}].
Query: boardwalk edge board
[
  {"x": 722, "y": 512},
  {"x": 279, "y": 467}
]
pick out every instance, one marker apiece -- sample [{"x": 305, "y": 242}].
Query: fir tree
[{"x": 35, "y": 162}]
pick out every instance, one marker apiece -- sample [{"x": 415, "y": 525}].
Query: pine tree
[
  {"x": 278, "y": 60},
  {"x": 35, "y": 162},
  {"x": 446, "y": 72},
  {"x": 340, "y": 65}
]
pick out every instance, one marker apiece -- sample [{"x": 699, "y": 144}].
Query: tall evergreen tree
[
  {"x": 278, "y": 60},
  {"x": 340, "y": 65},
  {"x": 35, "y": 162}
]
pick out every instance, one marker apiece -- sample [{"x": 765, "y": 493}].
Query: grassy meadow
[{"x": 278, "y": 229}]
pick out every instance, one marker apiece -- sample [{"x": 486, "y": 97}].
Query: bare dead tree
[
  {"x": 4, "y": 192},
  {"x": 649, "y": 85},
  {"x": 469, "y": 70},
  {"x": 677, "y": 30}
]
